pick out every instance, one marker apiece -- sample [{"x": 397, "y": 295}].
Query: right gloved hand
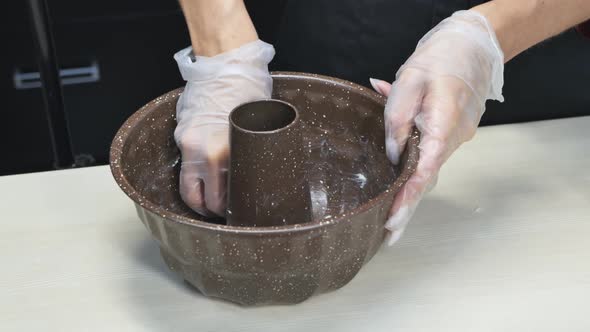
[
  {"x": 215, "y": 86},
  {"x": 442, "y": 90}
]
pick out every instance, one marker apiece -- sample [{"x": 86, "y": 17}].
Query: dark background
[{"x": 132, "y": 43}]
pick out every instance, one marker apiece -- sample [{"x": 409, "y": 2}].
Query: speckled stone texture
[
  {"x": 267, "y": 173},
  {"x": 351, "y": 182}
]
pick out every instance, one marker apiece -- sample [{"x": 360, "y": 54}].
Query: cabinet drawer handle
[{"x": 68, "y": 76}]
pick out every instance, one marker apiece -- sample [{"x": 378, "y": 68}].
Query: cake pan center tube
[{"x": 267, "y": 185}]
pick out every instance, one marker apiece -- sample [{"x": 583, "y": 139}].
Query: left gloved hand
[
  {"x": 441, "y": 89},
  {"x": 215, "y": 85}
]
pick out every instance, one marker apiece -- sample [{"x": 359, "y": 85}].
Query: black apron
[{"x": 356, "y": 40}]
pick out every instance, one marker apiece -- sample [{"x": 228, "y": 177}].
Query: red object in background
[{"x": 584, "y": 29}]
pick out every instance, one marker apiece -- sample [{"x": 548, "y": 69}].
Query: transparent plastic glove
[
  {"x": 441, "y": 89},
  {"x": 215, "y": 85}
]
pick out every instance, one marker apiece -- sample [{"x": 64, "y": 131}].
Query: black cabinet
[
  {"x": 24, "y": 134},
  {"x": 134, "y": 59},
  {"x": 114, "y": 56}
]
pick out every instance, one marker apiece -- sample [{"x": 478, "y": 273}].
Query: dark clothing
[
  {"x": 584, "y": 29},
  {"x": 356, "y": 40}
]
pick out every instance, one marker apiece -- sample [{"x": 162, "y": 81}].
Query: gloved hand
[
  {"x": 215, "y": 86},
  {"x": 441, "y": 89}
]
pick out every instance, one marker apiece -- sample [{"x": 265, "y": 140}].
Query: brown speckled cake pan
[{"x": 351, "y": 183}]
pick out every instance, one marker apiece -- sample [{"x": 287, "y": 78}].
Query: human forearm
[
  {"x": 217, "y": 26},
  {"x": 524, "y": 23}
]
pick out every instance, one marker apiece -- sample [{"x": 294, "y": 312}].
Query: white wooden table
[{"x": 501, "y": 244}]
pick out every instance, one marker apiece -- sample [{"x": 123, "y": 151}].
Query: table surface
[{"x": 501, "y": 244}]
